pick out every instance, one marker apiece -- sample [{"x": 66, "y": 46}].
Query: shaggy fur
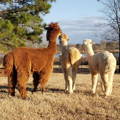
[
  {"x": 103, "y": 63},
  {"x": 70, "y": 60},
  {"x": 21, "y": 62}
]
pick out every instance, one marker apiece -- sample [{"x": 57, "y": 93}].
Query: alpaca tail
[{"x": 8, "y": 64}]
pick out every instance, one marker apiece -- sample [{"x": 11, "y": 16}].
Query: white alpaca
[
  {"x": 103, "y": 63},
  {"x": 70, "y": 60}
]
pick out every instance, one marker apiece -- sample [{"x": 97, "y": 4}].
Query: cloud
[{"x": 86, "y": 27}]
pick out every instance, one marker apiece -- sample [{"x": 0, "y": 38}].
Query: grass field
[{"x": 54, "y": 104}]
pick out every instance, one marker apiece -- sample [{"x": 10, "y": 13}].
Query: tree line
[{"x": 21, "y": 21}]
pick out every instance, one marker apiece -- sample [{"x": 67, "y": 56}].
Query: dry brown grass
[{"x": 54, "y": 104}]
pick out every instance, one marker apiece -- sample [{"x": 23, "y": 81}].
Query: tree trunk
[{"x": 119, "y": 53}]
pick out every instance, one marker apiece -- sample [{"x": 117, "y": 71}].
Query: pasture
[{"x": 54, "y": 104}]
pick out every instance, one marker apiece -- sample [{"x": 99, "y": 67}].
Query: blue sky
[
  {"x": 73, "y": 9},
  {"x": 80, "y": 19}
]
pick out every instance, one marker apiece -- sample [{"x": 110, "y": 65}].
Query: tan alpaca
[
  {"x": 103, "y": 63},
  {"x": 70, "y": 60}
]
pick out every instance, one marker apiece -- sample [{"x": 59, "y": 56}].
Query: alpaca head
[
  {"x": 87, "y": 43},
  {"x": 63, "y": 39},
  {"x": 53, "y": 31}
]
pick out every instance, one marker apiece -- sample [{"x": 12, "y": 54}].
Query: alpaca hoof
[
  {"x": 33, "y": 91},
  {"x": 95, "y": 95},
  {"x": 106, "y": 96},
  {"x": 42, "y": 90},
  {"x": 93, "y": 92},
  {"x": 70, "y": 92},
  {"x": 24, "y": 97},
  {"x": 12, "y": 94},
  {"x": 27, "y": 98},
  {"x": 66, "y": 91}
]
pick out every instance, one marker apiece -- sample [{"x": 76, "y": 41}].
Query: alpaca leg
[
  {"x": 104, "y": 77},
  {"x": 110, "y": 86},
  {"x": 102, "y": 86},
  {"x": 66, "y": 83},
  {"x": 44, "y": 79},
  {"x": 36, "y": 80},
  {"x": 22, "y": 88},
  {"x": 22, "y": 79},
  {"x": 70, "y": 84},
  {"x": 66, "y": 79},
  {"x": 43, "y": 83},
  {"x": 74, "y": 73},
  {"x": 70, "y": 81},
  {"x": 111, "y": 74},
  {"x": 12, "y": 81},
  {"x": 94, "y": 82}
]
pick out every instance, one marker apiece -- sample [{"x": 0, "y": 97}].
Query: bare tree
[{"x": 112, "y": 13}]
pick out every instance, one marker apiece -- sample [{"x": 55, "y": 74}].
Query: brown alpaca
[{"x": 21, "y": 62}]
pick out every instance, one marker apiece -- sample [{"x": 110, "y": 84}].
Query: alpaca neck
[
  {"x": 64, "y": 48},
  {"x": 51, "y": 44},
  {"x": 90, "y": 54},
  {"x": 89, "y": 51}
]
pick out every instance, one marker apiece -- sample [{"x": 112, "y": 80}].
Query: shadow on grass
[
  {"x": 55, "y": 90},
  {"x": 4, "y": 89}
]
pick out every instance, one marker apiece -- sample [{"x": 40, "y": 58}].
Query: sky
[{"x": 79, "y": 19}]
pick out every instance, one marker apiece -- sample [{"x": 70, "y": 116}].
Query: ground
[{"x": 54, "y": 104}]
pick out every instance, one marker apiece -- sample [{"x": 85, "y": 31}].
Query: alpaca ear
[
  {"x": 45, "y": 26},
  {"x": 48, "y": 28}
]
